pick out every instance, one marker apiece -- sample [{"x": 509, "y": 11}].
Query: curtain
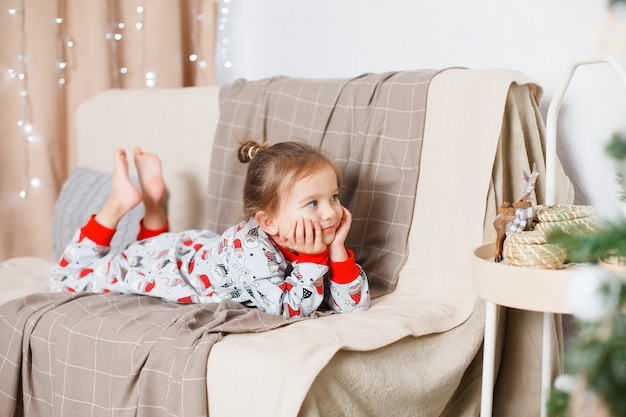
[{"x": 54, "y": 54}]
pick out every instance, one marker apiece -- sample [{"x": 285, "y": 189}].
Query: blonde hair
[{"x": 273, "y": 171}]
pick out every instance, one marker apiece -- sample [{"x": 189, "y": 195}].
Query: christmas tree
[{"x": 594, "y": 383}]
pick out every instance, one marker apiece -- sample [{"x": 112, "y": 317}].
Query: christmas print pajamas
[{"x": 243, "y": 264}]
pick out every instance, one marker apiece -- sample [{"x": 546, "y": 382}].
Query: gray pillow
[{"x": 83, "y": 194}]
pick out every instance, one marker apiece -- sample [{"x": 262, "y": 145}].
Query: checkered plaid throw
[
  {"x": 112, "y": 354},
  {"x": 372, "y": 125}
]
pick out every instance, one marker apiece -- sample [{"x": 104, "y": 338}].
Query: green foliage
[
  {"x": 599, "y": 354},
  {"x": 621, "y": 181},
  {"x": 599, "y": 351},
  {"x": 557, "y": 403},
  {"x": 591, "y": 246},
  {"x": 616, "y": 148}
]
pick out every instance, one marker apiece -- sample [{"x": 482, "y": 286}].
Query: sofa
[{"x": 428, "y": 156}]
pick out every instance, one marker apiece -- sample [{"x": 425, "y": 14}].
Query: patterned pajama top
[{"x": 198, "y": 266}]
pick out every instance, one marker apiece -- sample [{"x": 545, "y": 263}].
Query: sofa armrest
[{"x": 22, "y": 276}]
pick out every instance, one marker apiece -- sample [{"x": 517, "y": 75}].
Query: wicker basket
[
  {"x": 560, "y": 212},
  {"x": 529, "y": 249},
  {"x": 571, "y": 218}
]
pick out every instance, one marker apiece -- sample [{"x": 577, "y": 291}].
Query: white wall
[{"x": 344, "y": 38}]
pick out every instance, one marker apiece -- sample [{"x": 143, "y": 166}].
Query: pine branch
[
  {"x": 591, "y": 246},
  {"x": 616, "y": 148}
]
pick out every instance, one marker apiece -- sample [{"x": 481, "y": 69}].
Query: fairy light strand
[
  {"x": 149, "y": 76},
  {"x": 20, "y": 74},
  {"x": 63, "y": 44},
  {"x": 224, "y": 39},
  {"x": 114, "y": 33},
  {"x": 111, "y": 35},
  {"x": 196, "y": 56}
]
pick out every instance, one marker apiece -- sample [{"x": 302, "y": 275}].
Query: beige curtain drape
[{"x": 54, "y": 54}]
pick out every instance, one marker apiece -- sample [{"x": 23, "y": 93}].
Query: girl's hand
[
  {"x": 337, "y": 247},
  {"x": 341, "y": 234},
  {"x": 304, "y": 237}
]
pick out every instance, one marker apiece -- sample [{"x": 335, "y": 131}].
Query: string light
[
  {"x": 149, "y": 76},
  {"x": 223, "y": 37},
  {"x": 195, "y": 56},
  {"x": 139, "y": 25},
  {"x": 112, "y": 35},
  {"x": 20, "y": 75},
  {"x": 150, "y": 79},
  {"x": 116, "y": 35},
  {"x": 63, "y": 45}
]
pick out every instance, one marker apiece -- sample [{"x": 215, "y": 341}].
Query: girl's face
[{"x": 315, "y": 197}]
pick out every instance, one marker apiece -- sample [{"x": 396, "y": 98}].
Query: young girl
[{"x": 286, "y": 258}]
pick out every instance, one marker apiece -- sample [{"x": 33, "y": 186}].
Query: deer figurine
[{"x": 517, "y": 217}]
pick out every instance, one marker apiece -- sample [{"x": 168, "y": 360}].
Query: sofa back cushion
[
  {"x": 178, "y": 124},
  {"x": 83, "y": 194}
]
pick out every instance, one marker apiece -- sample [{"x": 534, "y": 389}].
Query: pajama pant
[{"x": 156, "y": 264}]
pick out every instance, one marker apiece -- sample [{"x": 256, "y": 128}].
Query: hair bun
[{"x": 248, "y": 150}]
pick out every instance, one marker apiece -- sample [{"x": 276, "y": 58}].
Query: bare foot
[
  {"x": 152, "y": 186},
  {"x": 123, "y": 196}
]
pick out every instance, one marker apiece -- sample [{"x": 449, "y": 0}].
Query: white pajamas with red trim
[{"x": 243, "y": 264}]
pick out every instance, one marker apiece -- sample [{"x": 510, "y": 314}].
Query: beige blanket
[{"x": 473, "y": 154}]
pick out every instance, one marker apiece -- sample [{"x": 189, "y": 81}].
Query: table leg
[
  {"x": 489, "y": 358},
  {"x": 546, "y": 362}
]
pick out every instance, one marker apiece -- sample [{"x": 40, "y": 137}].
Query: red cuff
[
  {"x": 344, "y": 272},
  {"x": 145, "y": 233},
  {"x": 99, "y": 234}
]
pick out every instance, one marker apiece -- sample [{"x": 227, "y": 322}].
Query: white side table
[{"x": 530, "y": 289}]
